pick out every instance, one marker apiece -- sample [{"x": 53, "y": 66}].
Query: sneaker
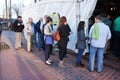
[
  {"x": 61, "y": 65},
  {"x": 47, "y": 62}
]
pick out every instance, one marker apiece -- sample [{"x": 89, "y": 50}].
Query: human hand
[{"x": 18, "y": 24}]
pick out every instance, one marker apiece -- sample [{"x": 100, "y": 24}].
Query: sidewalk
[{"x": 19, "y": 65}]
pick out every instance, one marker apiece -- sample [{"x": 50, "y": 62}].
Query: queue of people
[{"x": 99, "y": 35}]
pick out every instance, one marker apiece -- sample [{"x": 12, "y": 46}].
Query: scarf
[{"x": 95, "y": 33}]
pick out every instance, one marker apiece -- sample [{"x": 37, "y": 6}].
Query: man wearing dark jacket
[
  {"x": 18, "y": 28},
  {"x": 39, "y": 27},
  {"x": 0, "y": 29}
]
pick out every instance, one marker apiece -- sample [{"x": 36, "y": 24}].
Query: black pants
[
  {"x": 117, "y": 44},
  {"x": 48, "y": 51},
  {"x": 62, "y": 44}
]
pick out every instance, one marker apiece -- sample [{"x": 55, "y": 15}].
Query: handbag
[
  {"x": 57, "y": 36},
  {"x": 49, "y": 39}
]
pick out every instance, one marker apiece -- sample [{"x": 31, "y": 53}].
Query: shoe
[
  {"x": 47, "y": 62},
  {"x": 66, "y": 57},
  {"x": 16, "y": 48},
  {"x": 78, "y": 65},
  {"x": 90, "y": 70},
  {"x": 40, "y": 49},
  {"x": 61, "y": 65},
  {"x": 20, "y": 48},
  {"x": 99, "y": 71},
  {"x": 29, "y": 51},
  {"x": 82, "y": 64}
]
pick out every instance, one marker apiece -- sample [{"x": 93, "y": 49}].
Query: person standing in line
[
  {"x": 0, "y": 30},
  {"x": 29, "y": 28},
  {"x": 48, "y": 35},
  {"x": 116, "y": 32},
  {"x": 81, "y": 43},
  {"x": 42, "y": 37},
  {"x": 44, "y": 23},
  {"x": 106, "y": 20},
  {"x": 64, "y": 31},
  {"x": 34, "y": 37},
  {"x": 39, "y": 27},
  {"x": 99, "y": 35},
  {"x": 18, "y": 28}
]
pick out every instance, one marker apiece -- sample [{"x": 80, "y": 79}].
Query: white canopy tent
[{"x": 74, "y": 10}]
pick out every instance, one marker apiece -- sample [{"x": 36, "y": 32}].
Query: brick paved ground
[{"x": 19, "y": 65}]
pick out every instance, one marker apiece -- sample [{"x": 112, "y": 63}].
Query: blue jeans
[
  {"x": 80, "y": 53},
  {"x": 100, "y": 56},
  {"x": 33, "y": 39},
  {"x": 40, "y": 41}
]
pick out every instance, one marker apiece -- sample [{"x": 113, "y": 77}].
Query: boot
[
  {"x": 79, "y": 64},
  {"x": 82, "y": 64},
  {"x": 61, "y": 65}
]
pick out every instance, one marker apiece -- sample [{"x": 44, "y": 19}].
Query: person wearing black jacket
[
  {"x": 39, "y": 27},
  {"x": 0, "y": 30},
  {"x": 64, "y": 31},
  {"x": 18, "y": 28}
]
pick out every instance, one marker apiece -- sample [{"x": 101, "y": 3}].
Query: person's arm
[
  {"x": 82, "y": 35},
  {"x": 109, "y": 34},
  {"x": 15, "y": 23},
  {"x": 91, "y": 30},
  {"x": 38, "y": 27},
  {"x": 90, "y": 34},
  {"x": 27, "y": 28},
  {"x": 22, "y": 25},
  {"x": 69, "y": 30}
]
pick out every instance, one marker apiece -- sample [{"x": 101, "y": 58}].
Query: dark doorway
[{"x": 108, "y": 6}]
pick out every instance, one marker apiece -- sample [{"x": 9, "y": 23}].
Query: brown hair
[
  {"x": 81, "y": 25},
  {"x": 62, "y": 21},
  {"x": 98, "y": 17}
]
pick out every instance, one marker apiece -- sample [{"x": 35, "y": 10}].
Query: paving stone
[{"x": 21, "y": 66}]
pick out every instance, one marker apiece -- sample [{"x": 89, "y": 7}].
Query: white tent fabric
[
  {"x": 86, "y": 9},
  {"x": 68, "y": 8}
]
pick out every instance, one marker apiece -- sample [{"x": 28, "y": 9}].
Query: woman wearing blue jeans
[{"x": 81, "y": 43}]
